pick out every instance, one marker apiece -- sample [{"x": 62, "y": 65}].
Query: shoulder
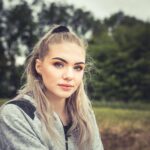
[{"x": 17, "y": 108}]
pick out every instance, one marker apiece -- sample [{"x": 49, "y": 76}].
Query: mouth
[{"x": 66, "y": 87}]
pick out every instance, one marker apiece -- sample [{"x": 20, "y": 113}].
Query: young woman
[{"x": 52, "y": 110}]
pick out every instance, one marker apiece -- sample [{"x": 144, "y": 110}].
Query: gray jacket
[{"x": 21, "y": 129}]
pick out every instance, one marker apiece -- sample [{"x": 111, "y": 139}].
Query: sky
[{"x": 104, "y": 8}]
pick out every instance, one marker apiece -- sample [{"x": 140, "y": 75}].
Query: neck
[
  {"x": 57, "y": 102},
  {"x": 59, "y": 106}
]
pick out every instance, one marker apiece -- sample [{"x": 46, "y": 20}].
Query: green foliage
[
  {"x": 119, "y": 46},
  {"x": 20, "y": 27},
  {"x": 16, "y": 30},
  {"x": 122, "y": 58}
]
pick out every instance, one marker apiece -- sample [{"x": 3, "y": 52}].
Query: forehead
[{"x": 68, "y": 51}]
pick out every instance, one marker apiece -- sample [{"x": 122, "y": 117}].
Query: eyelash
[
  {"x": 60, "y": 65},
  {"x": 78, "y": 68}
]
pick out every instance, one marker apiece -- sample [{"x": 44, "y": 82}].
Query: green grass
[
  {"x": 121, "y": 117},
  {"x": 2, "y": 101},
  {"x": 139, "y": 105}
]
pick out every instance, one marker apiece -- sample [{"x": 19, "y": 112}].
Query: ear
[{"x": 38, "y": 66}]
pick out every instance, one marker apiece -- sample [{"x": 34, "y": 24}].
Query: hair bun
[{"x": 60, "y": 29}]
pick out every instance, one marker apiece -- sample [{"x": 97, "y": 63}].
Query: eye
[
  {"x": 78, "y": 68},
  {"x": 58, "y": 65}
]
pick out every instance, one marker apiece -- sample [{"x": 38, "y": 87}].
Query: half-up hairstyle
[{"x": 78, "y": 104}]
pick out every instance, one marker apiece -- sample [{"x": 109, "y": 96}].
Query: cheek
[
  {"x": 48, "y": 75},
  {"x": 79, "y": 79}
]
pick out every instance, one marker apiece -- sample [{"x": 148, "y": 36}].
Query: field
[
  {"x": 2, "y": 101},
  {"x": 123, "y": 126}
]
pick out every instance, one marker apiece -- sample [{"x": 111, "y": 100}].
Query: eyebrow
[{"x": 63, "y": 60}]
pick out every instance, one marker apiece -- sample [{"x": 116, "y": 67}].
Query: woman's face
[{"x": 62, "y": 69}]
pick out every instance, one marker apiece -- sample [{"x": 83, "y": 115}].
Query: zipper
[
  {"x": 66, "y": 141},
  {"x": 66, "y": 128}
]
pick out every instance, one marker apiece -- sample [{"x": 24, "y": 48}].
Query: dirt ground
[{"x": 127, "y": 140}]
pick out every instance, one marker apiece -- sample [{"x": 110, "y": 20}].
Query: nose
[{"x": 68, "y": 74}]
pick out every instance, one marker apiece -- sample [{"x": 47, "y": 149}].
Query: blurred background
[{"x": 118, "y": 33}]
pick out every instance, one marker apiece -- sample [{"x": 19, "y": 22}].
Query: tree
[
  {"x": 16, "y": 29},
  {"x": 122, "y": 60},
  {"x": 19, "y": 28}
]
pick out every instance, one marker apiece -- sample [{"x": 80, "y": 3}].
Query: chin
[{"x": 66, "y": 95}]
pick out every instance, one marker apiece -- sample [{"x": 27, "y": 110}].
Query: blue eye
[
  {"x": 78, "y": 68},
  {"x": 58, "y": 65}
]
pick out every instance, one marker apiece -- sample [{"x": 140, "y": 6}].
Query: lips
[{"x": 66, "y": 87}]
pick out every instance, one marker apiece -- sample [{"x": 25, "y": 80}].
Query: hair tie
[{"x": 60, "y": 29}]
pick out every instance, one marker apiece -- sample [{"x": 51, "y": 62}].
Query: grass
[
  {"x": 120, "y": 116},
  {"x": 2, "y": 101},
  {"x": 121, "y": 119},
  {"x": 138, "y": 105},
  {"x": 123, "y": 126}
]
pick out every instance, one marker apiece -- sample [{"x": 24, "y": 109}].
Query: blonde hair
[{"x": 78, "y": 104}]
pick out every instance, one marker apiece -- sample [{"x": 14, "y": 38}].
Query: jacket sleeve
[
  {"x": 15, "y": 131},
  {"x": 97, "y": 143}
]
